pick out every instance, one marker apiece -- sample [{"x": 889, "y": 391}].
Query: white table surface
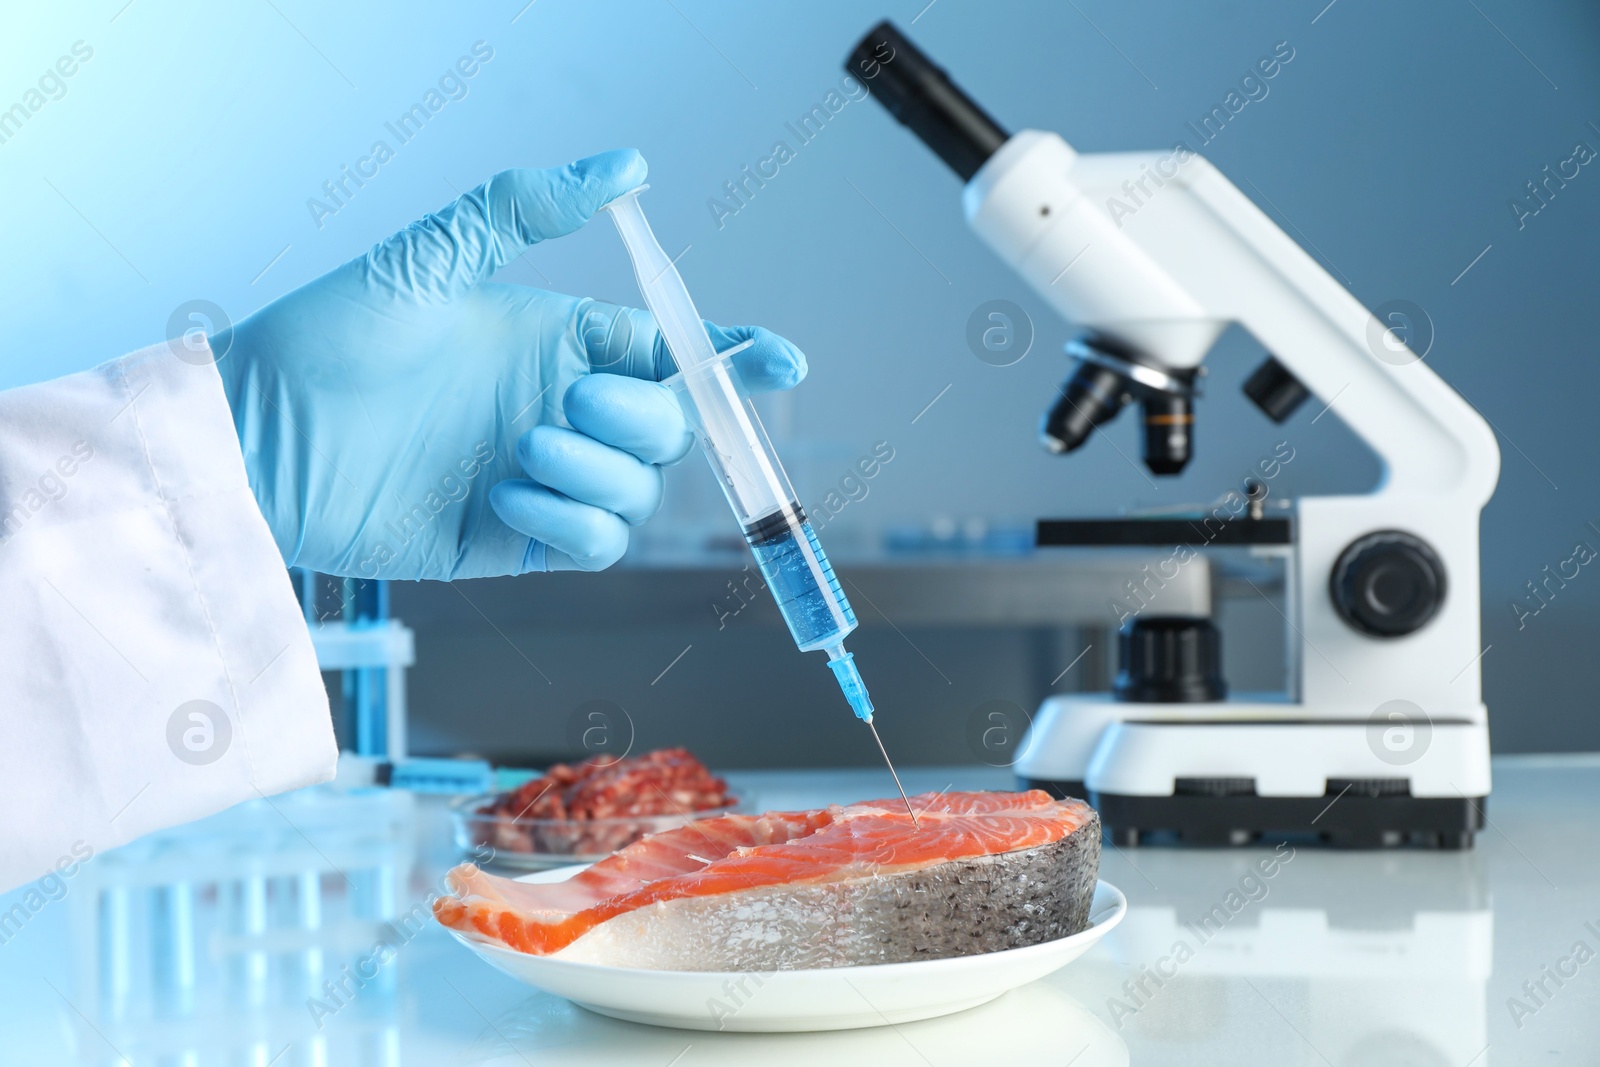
[{"x": 1340, "y": 958}]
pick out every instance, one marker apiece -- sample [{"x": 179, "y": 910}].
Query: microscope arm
[{"x": 1194, "y": 255}]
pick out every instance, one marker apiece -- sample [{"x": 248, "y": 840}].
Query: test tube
[
  {"x": 249, "y": 924},
  {"x": 115, "y": 950},
  {"x": 172, "y": 948},
  {"x": 308, "y": 914}
]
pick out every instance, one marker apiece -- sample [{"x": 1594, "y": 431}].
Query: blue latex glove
[{"x": 403, "y": 417}]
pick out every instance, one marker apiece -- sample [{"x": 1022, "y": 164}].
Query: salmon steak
[{"x": 836, "y": 886}]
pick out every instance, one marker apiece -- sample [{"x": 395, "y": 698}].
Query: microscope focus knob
[
  {"x": 1169, "y": 659},
  {"x": 1388, "y": 584}
]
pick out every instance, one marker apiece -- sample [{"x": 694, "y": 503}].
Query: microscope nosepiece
[{"x": 1109, "y": 375}]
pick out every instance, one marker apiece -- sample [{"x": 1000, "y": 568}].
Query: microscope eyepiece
[
  {"x": 1109, "y": 375},
  {"x": 921, "y": 95}
]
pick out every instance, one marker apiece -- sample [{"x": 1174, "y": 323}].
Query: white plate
[{"x": 833, "y": 998}]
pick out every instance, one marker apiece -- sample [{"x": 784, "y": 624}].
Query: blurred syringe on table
[{"x": 718, "y": 407}]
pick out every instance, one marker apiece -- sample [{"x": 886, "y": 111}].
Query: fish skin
[
  {"x": 1012, "y": 868},
  {"x": 963, "y": 907}
]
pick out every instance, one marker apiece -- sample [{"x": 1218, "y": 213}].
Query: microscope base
[
  {"x": 1351, "y": 815},
  {"x": 1236, "y": 772}
]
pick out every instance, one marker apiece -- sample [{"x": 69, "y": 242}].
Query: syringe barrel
[{"x": 718, "y": 407}]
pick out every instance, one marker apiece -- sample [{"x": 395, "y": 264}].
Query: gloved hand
[{"x": 388, "y": 409}]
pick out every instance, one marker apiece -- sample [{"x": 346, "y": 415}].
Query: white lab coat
[{"x": 137, "y": 576}]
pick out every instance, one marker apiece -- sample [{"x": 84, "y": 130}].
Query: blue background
[{"x": 179, "y": 161}]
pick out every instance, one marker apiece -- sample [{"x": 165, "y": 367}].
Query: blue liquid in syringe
[{"x": 816, "y": 610}]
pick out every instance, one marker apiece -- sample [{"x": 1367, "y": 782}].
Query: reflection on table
[{"x": 296, "y": 932}]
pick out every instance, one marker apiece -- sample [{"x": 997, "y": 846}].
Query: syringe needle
[{"x": 896, "y": 777}]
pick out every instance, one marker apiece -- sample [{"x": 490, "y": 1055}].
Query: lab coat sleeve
[{"x": 154, "y": 664}]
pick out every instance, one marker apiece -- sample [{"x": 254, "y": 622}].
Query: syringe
[{"x": 775, "y": 525}]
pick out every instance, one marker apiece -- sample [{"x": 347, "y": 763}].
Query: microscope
[{"x": 1381, "y": 737}]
